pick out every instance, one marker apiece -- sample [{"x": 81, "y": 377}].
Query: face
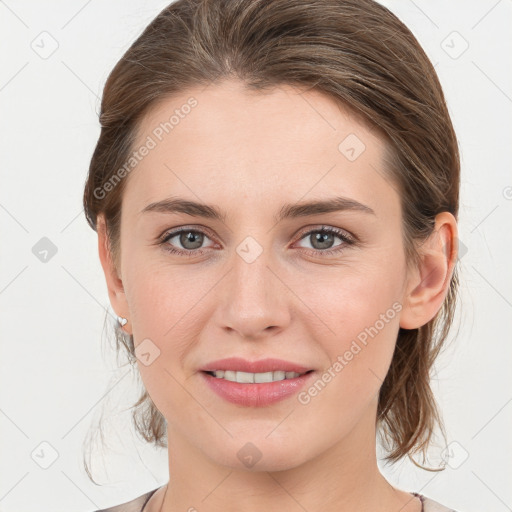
[{"x": 262, "y": 280}]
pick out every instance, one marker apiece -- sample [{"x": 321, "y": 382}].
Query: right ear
[{"x": 114, "y": 282}]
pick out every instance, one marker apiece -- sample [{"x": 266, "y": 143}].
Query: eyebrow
[{"x": 288, "y": 211}]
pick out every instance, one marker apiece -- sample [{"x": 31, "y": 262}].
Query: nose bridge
[
  {"x": 251, "y": 272},
  {"x": 255, "y": 296}
]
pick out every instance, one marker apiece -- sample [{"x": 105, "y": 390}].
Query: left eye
[{"x": 321, "y": 241}]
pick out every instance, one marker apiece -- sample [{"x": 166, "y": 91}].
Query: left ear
[{"x": 428, "y": 284}]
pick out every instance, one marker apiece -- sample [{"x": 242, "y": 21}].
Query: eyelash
[{"x": 347, "y": 240}]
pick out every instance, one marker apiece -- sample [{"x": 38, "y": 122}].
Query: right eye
[{"x": 189, "y": 239}]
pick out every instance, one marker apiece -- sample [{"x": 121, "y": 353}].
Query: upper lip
[{"x": 261, "y": 366}]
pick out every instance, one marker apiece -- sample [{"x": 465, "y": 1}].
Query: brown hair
[{"x": 357, "y": 53}]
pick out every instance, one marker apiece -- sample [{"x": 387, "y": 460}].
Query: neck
[{"x": 343, "y": 478}]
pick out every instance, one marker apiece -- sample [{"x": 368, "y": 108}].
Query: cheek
[
  {"x": 166, "y": 310},
  {"x": 162, "y": 299},
  {"x": 359, "y": 316},
  {"x": 346, "y": 300},
  {"x": 347, "y": 390}
]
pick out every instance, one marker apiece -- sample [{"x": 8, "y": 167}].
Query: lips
[
  {"x": 255, "y": 394},
  {"x": 261, "y": 366}
]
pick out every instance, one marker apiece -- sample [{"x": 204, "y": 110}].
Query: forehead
[{"x": 225, "y": 141}]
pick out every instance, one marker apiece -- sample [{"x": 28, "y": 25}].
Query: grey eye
[
  {"x": 321, "y": 240},
  {"x": 190, "y": 240}
]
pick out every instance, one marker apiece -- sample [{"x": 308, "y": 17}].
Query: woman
[{"x": 275, "y": 190}]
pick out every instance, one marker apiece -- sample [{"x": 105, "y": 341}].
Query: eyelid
[
  {"x": 347, "y": 238},
  {"x": 340, "y": 232},
  {"x": 180, "y": 229},
  {"x": 302, "y": 232}
]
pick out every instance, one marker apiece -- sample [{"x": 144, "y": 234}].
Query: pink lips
[
  {"x": 262, "y": 366},
  {"x": 252, "y": 394}
]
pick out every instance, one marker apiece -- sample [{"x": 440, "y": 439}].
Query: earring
[{"x": 122, "y": 321}]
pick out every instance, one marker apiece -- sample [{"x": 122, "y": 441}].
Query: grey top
[{"x": 138, "y": 504}]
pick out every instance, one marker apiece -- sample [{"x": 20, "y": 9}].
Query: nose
[{"x": 254, "y": 298}]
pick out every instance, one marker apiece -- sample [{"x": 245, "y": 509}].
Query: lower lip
[{"x": 256, "y": 395}]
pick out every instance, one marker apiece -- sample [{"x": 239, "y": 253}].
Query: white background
[{"x": 55, "y": 377}]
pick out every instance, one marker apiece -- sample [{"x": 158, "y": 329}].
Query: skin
[{"x": 249, "y": 153}]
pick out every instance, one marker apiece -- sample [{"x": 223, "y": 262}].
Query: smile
[{"x": 254, "y": 378}]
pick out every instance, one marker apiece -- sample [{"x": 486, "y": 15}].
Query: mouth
[
  {"x": 233, "y": 365},
  {"x": 255, "y": 383},
  {"x": 255, "y": 378}
]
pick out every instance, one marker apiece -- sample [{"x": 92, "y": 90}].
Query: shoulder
[
  {"x": 134, "y": 505},
  {"x": 430, "y": 505}
]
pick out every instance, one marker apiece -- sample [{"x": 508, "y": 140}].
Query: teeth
[{"x": 255, "y": 378}]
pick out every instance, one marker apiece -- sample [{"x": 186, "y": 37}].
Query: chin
[{"x": 258, "y": 453}]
